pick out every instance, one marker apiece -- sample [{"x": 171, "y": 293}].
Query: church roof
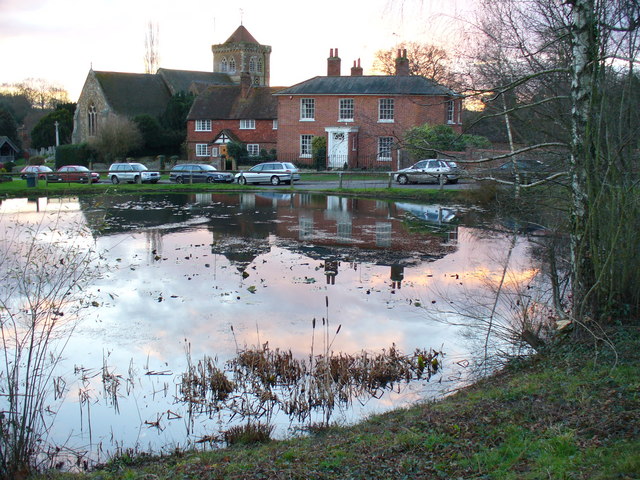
[
  {"x": 227, "y": 102},
  {"x": 368, "y": 85},
  {"x": 6, "y": 140},
  {"x": 182, "y": 80},
  {"x": 134, "y": 93},
  {"x": 241, "y": 35}
]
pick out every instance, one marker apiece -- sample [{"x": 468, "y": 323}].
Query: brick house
[
  {"x": 362, "y": 117},
  {"x": 244, "y": 112}
]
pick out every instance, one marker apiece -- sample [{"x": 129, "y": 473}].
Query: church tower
[{"x": 241, "y": 53}]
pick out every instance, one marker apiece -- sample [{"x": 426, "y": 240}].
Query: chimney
[
  {"x": 356, "y": 71},
  {"x": 245, "y": 84},
  {"x": 333, "y": 64},
  {"x": 402, "y": 63}
]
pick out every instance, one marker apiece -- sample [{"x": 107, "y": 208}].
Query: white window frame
[
  {"x": 305, "y": 145},
  {"x": 385, "y": 146},
  {"x": 202, "y": 150},
  {"x": 253, "y": 149},
  {"x": 346, "y": 110},
  {"x": 247, "y": 124},
  {"x": 203, "y": 125},
  {"x": 215, "y": 152},
  {"x": 451, "y": 112},
  {"x": 386, "y": 110},
  {"x": 307, "y": 109},
  {"x": 275, "y": 124}
]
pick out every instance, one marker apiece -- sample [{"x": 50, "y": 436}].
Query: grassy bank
[{"x": 572, "y": 412}]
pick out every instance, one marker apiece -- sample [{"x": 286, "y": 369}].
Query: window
[
  {"x": 307, "y": 109},
  {"x": 384, "y": 148},
  {"x": 215, "y": 152},
  {"x": 252, "y": 64},
  {"x": 224, "y": 65},
  {"x": 385, "y": 110},
  {"x": 203, "y": 125},
  {"x": 232, "y": 65},
  {"x": 451, "y": 112},
  {"x": 305, "y": 145},
  {"x": 247, "y": 124},
  {"x": 92, "y": 118},
  {"x": 253, "y": 149},
  {"x": 202, "y": 150},
  {"x": 275, "y": 124},
  {"x": 259, "y": 65},
  {"x": 346, "y": 110}
]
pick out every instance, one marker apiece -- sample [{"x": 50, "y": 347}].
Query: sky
[{"x": 60, "y": 40}]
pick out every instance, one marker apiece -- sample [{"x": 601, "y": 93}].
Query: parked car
[
  {"x": 73, "y": 173},
  {"x": 269, "y": 172},
  {"x": 40, "y": 170},
  {"x": 429, "y": 170},
  {"x": 132, "y": 173},
  {"x": 198, "y": 172},
  {"x": 529, "y": 171}
]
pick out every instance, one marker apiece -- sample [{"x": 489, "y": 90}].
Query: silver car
[
  {"x": 132, "y": 173},
  {"x": 269, "y": 172},
  {"x": 431, "y": 170}
]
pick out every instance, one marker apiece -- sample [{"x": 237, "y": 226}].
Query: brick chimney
[
  {"x": 402, "y": 63},
  {"x": 333, "y": 64},
  {"x": 245, "y": 84},
  {"x": 356, "y": 71}
]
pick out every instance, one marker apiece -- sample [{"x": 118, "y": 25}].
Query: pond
[{"x": 195, "y": 275}]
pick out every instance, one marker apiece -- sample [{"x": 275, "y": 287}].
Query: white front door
[{"x": 338, "y": 149}]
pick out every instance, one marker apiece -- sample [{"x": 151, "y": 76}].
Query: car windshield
[
  {"x": 208, "y": 168},
  {"x": 256, "y": 168},
  {"x": 290, "y": 166}
]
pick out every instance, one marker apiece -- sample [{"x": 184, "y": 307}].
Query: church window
[
  {"x": 232, "y": 65},
  {"x": 259, "y": 65},
  {"x": 92, "y": 115},
  {"x": 223, "y": 64},
  {"x": 252, "y": 64}
]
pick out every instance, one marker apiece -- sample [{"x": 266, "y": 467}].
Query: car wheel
[
  {"x": 115, "y": 180},
  {"x": 403, "y": 179},
  {"x": 452, "y": 181},
  {"x": 275, "y": 180},
  {"x": 179, "y": 180},
  {"x": 210, "y": 179},
  {"x": 242, "y": 180}
]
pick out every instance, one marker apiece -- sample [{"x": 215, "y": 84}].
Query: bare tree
[
  {"x": 41, "y": 93},
  {"x": 116, "y": 137},
  {"x": 427, "y": 60},
  {"x": 151, "y": 46}
]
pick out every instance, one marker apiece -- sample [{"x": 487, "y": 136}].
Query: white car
[
  {"x": 430, "y": 170},
  {"x": 269, "y": 172},
  {"x": 132, "y": 173}
]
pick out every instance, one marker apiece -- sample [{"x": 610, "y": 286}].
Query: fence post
[
  {"x": 340, "y": 182},
  {"x": 390, "y": 179}
]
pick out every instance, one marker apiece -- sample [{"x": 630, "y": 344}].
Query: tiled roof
[
  {"x": 227, "y": 102},
  {"x": 241, "y": 35},
  {"x": 134, "y": 93},
  {"x": 182, "y": 80},
  {"x": 7, "y": 140},
  {"x": 367, "y": 85}
]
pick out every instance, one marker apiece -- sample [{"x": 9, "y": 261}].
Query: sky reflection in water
[{"x": 185, "y": 267}]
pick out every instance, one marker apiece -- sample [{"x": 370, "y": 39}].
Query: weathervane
[{"x": 241, "y": 15}]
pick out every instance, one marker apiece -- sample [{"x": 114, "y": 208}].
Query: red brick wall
[
  {"x": 409, "y": 111},
  {"x": 264, "y": 135}
]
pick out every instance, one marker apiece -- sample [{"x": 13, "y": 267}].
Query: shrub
[{"x": 76, "y": 154}]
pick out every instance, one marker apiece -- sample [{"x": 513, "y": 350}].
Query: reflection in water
[{"x": 187, "y": 268}]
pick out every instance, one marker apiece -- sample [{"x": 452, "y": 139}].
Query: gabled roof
[
  {"x": 227, "y": 133},
  {"x": 367, "y": 85},
  {"x": 134, "y": 93},
  {"x": 182, "y": 80},
  {"x": 241, "y": 35},
  {"x": 6, "y": 140},
  {"x": 227, "y": 102}
]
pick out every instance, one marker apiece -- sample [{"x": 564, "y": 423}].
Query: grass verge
[{"x": 571, "y": 412}]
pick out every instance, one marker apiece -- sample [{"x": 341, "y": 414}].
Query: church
[{"x": 236, "y": 89}]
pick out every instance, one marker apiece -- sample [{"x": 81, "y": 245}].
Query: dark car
[
  {"x": 269, "y": 172},
  {"x": 73, "y": 173},
  {"x": 40, "y": 170},
  {"x": 528, "y": 170},
  {"x": 198, "y": 172}
]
